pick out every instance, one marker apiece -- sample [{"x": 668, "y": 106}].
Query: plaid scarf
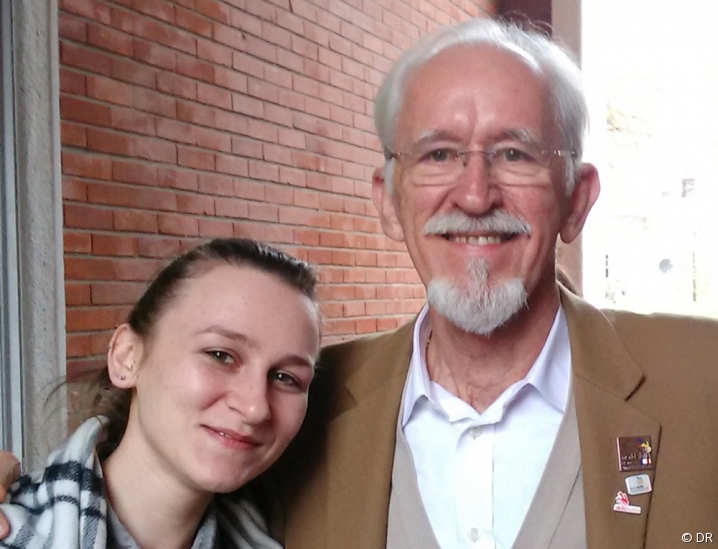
[{"x": 64, "y": 505}]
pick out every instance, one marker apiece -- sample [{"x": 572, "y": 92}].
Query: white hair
[
  {"x": 477, "y": 308},
  {"x": 558, "y": 67}
]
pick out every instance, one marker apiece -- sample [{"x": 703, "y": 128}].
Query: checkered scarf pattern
[{"x": 64, "y": 505}]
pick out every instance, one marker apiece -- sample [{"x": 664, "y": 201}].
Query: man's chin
[{"x": 480, "y": 310}]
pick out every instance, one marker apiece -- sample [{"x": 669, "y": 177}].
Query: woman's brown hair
[{"x": 114, "y": 403}]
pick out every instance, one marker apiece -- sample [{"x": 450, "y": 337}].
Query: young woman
[{"x": 206, "y": 384}]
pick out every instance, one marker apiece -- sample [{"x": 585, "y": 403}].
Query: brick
[
  {"x": 279, "y": 194},
  {"x": 195, "y": 204},
  {"x": 72, "y": 27},
  {"x": 85, "y": 165},
  {"x": 116, "y": 293},
  {"x": 173, "y": 130},
  {"x": 230, "y": 79},
  {"x": 73, "y": 135},
  {"x": 248, "y": 189},
  {"x": 139, "y": 198},
  {"x": 197, "y": 114},
  {"x": 157, "y": 150},
  {"x": 231, "y": 165},
  {"x": 179, "y": 225},
  {"x": 179, "y": 86},
  {"x": 263, "y": 212},
  {"x": 128, "y": 70},
  {"x": 231, "y": 207},
  {"x": 193, "y": 158},
  {"x": 158, "y": 247},
  {"x": 194, "y": 68},
  {"x": 247, "y": 64},
  {"x": 154, "y": 102},
  {"x": 134, "y": 269},
  {"x": 213, "y": 10},
  {"x": 247, "y": 105},
  {"x": 94, "y": 318},
  {"x": 155, "y": 8},
  {"x": 82, "y": 110},
  {"x": 171, "y": 37},
  {"x": 74, "y": 189},
  {"x": 72, "y": 82},
  {"x": 83, "y": 268},
  {"x": 228, "y": 36},
  {"x": 135, "y": 221},
  {"x": 134, "y": 172},
  {"x": 109, "y": 142},
  {"x": 214, "y": 53},
  {"x": 211, "y": 139},
  {"x": 216, "y": 184},
  {"x": 215, "y": 228},
  {"x": 155, "y": 55},
  {"x": 103, "y": 244},
  {"x": 129, "y": 120},
  {"x": 89, "y": 9},
  {"x": 178, "y": 178},
  {"x": 77, "y": 294},
  {"x": 212, "y": 95},
  {"x": 263, "y": 171},
  {"x": 189, "y": 20},
  {"x": 75, "y": 242},
  {"x": 78, "y": 345},
  {"x": 110, "y": 39}
]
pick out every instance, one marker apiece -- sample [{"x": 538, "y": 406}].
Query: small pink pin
[{"x": 623, "y": 505}]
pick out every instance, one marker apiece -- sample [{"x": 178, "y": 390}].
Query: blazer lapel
[
  {"x": 604, "y": 378},
  {"x": 361, "y": 441}
]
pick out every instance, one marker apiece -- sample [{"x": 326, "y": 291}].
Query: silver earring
[{"x": 123, "y": 378}]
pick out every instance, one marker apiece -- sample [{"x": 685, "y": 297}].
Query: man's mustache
[{"x": 496, "y": 221}]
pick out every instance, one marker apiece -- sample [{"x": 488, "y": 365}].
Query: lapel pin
[
  {"x": 622, "y": 505},
  {"x": 638, "y": 484},
  {"x": 634, "y": 453}
]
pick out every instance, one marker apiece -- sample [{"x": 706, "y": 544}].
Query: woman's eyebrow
[{"x": 229, "y": 334}]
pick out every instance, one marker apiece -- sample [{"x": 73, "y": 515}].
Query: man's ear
[
  {"x": 384, "y": 202},
  {"x": 584, "y": 196},
  {"x": 123, "y": 357}
]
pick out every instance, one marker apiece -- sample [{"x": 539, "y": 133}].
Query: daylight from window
[{"x": 652, "y": 75}]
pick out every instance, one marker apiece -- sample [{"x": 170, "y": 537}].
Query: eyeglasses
[{"x": 521, "y": 164}]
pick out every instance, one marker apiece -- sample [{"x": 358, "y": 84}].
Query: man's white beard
[{"x": 478, "y": 308}]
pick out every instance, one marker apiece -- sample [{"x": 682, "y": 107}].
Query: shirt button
[
  {"x": 476, "y": 431},
  {"x": 473, "y": 534}
]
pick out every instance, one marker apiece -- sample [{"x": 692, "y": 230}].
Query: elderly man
[{"x": 510, "y": 413}]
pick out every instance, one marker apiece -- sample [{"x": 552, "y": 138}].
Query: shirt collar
[{"x": 550, "y": 374}]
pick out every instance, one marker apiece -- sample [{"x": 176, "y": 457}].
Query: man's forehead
[{"x": 466, "y": 85}]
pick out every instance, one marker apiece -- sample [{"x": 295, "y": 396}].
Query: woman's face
[{"x": 221, "y": 387}]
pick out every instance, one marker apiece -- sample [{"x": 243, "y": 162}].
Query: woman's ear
[{"x": 123, "y": 357}]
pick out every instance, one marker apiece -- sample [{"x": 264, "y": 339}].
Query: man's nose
[
  {"x": 476, "y": 191},
  {"x": 249, "y": 395}
]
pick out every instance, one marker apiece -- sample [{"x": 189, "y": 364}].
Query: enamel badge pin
[
  {"x": 623, "y": 505},
  {"x": 634, "y": 453}
]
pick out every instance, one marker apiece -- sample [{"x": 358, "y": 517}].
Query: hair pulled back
[{"x": 114, "y": 403}]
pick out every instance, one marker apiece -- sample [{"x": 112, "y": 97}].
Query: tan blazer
[{"x": 633, "y": 375}]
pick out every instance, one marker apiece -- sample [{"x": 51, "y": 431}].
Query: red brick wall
[{"x": 189, "y": 119}]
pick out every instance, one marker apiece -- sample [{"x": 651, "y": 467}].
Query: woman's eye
[
  {"x": 221, "y": 356},
  {"x": 283, "y": 378},
  {"x": 440, "y": 155}
]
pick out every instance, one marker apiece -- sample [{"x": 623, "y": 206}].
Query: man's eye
[
  {"x": 513, "y": 155},
  {"x": 440, "y": 155},
  {"x": 221, "y": 356}
]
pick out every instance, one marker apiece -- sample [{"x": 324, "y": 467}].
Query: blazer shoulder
[{"x": 684, "y": 344}]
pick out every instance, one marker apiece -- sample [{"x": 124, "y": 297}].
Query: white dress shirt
[{"x": 477, "y": 473}]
